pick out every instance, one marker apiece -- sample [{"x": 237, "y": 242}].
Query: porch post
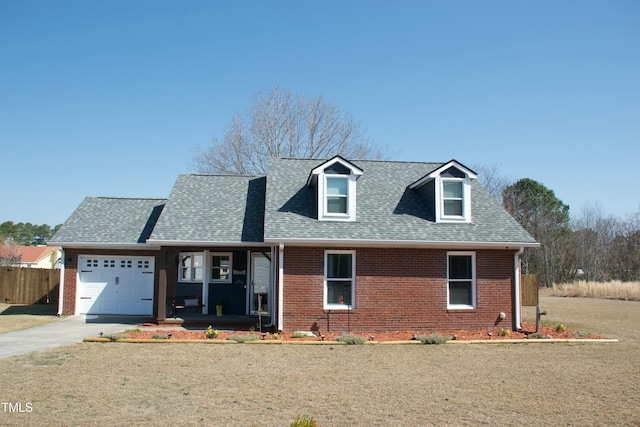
[
  {"x": 281, "y": 287},
  {"x": 161, "y": 303},
  {"x": 206, "y": 278}
]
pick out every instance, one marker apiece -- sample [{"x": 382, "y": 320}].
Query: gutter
[
  {"x": 403, "y": 243},
  {"x": 152, "y": 244},
  {"x": 95, "y": 245},
  {"x": 516, "y": 281}
]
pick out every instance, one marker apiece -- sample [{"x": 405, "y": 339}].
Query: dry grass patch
[
  {"x": 339, "y": 385},
  {"x": 628, "y": 291},
  {"x": 15, "y": 317}
]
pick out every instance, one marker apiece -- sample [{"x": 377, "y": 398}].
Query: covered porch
[
  {"x": 255, "y": 322},
  {"x": 226, "y": 287}
]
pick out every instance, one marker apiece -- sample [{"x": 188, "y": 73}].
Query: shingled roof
[
  {"x": 108, "y": 221},
  {"x": 238, "y": 210},
  {"x": 204, "y": 209},
  {"x": 388, "y": 211}
]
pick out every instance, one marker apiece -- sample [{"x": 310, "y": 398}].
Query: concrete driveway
[{"x": 69, "y": 330}]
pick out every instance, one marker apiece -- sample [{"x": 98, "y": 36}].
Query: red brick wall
[
  {"x": 397, "y": 289},
  {"x": 71, "y": 273}
]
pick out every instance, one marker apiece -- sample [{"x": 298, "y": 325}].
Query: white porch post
[
  {"x": 281, "y": 287},
  {"x": 206, "y": 276}
]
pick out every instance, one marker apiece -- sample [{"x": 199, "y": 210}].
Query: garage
[{"x": 115, "y": 285}]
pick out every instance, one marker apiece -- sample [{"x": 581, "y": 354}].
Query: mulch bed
[{"x": 486, "y": 334}]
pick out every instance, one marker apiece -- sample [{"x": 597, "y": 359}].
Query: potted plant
[{"x": 219, "y": 305}]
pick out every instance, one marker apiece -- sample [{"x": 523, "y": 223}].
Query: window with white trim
[
  {"x": 337, "y": 195},
  {"x": 221, "y": 267},
  {"x": 339, "y": 279},
  {"x": 461, "y": 280},
  {"x": 191, "y": 266},
  {"x": 452, "y": 197}
]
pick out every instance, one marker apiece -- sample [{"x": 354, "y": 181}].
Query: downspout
[
  {"x": 280, "y": 286},
  {"x": 61, "y": 289},
  {"x": 516, "y": 281}
]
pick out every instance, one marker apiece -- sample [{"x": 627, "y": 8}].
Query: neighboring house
[
  {"x": 314, "y": 245},
  {"x": 29, "y": 256}
]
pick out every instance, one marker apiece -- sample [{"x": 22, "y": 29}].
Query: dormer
[
  {"x": 335, "y": 185},
  {"x": 448, "y": 190}
]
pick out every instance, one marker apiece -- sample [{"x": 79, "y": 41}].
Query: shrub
[
  {"x": 561, "y": 328},
  {"x": 115, "y": 337},
  {"x": 432, "y": 339},
  {"x": 160, "y": 337},
  {"x": 303, "y": 421},
  {"x": 504, "y": 332},
  {"x": 351, "y": 339},
  {"x": 243, "y": 338},
  {"x": 536, "y": 336},
  {"x": 211, "y": 333},
  {"x": 132, "y": 330},
  {"x": 302, "y": 334}
]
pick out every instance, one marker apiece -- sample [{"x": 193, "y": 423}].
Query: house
[
  {"x": 313, "y": 245},
  {"x": 29, "y": 256}
]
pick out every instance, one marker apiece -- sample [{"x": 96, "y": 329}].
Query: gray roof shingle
[
  {"x": 213, "y": 208},
  {"x": 386, "y": 209},
  {"x": 233, "y": 209},
  {"x": 113, "y": 221}
]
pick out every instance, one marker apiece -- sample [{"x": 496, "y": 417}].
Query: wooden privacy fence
[
  {"x": 529, "y": 290},
  {"x": 29, "y": 285}
]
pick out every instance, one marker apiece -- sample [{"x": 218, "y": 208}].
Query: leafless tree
[
  {"x": 491, "y": 179},
  {"x": 594, "y": 233},
  {"x": 281, "y": 124},
  {"x": 9, "y": 252}
]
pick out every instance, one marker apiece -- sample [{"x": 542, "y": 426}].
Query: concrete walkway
[{"x": 69, "y": 330}]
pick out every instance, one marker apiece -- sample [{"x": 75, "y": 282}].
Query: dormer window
[
  {"x": 337, "y": 195},
  {"x": 335, "y": 185},
  {"x": 452, "y": 199},
  {"x": 453, "y": 194},
  {"x": 449, "y": 191}
]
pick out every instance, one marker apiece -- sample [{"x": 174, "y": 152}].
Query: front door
[{"x": 260, "y": 283}]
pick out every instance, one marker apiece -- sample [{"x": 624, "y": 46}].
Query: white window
[
  {"x": 339, "y": 279},
  {"x": 221, "y": 267},
  {"x": 452, "y": 198},
  {"x": 191, "y": 267},
  {"x": 453, "y": 195},
  {"x": 461, "y": 280},
  {"x": 337, "y": 195}
]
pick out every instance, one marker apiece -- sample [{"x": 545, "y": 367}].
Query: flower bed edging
[{"x": 411, "y": 342}]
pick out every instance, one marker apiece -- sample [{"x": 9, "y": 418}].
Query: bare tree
[
  {"x": 9, "y": 252},
  {"x": 624, "y": 254},
  {"x": 280, "y": 124},
  {"x": 490, "y": 178},
  {"x": 594, "y": 233}
]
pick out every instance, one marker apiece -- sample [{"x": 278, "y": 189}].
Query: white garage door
[{"x": 115, "y": 285}]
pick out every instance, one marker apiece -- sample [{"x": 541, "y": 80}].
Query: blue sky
[{"x": 111, "y": 98}]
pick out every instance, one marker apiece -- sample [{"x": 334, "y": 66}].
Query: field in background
[{"x": 628, "y": 291}]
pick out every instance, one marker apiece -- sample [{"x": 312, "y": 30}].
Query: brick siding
[{"x": 397, "y": 289}]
